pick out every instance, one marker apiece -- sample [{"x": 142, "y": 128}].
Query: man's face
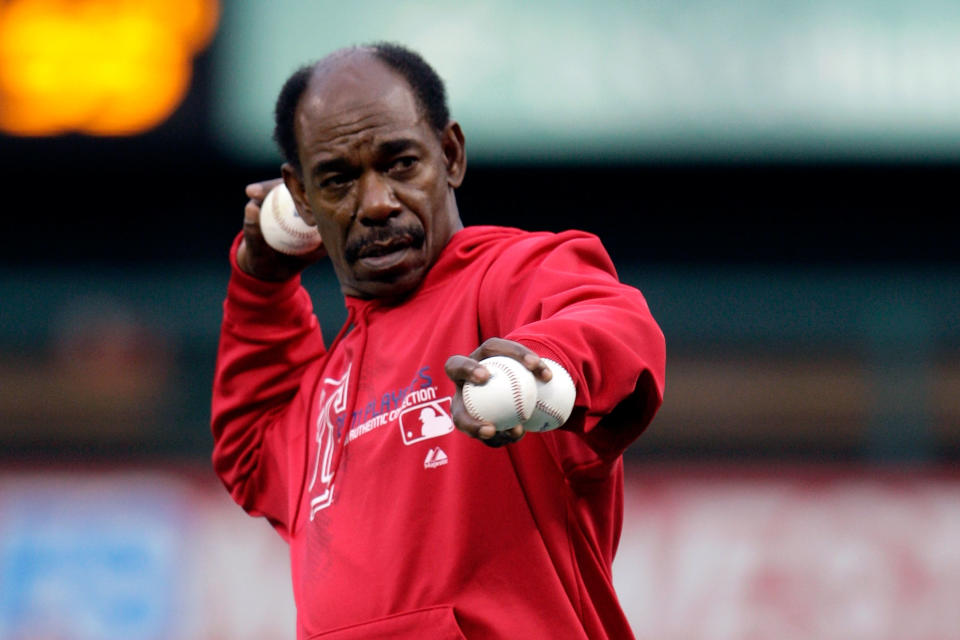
[{"x": 376, "y": 179}]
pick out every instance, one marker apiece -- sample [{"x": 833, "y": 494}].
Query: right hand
[
  {"x": 254, "y": 256},
  {"x": 462, "y": 369}
]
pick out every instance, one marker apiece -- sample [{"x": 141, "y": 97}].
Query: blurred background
[{"x": 778, "y": 178}]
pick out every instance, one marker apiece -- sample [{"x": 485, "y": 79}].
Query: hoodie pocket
[{"x": 433, "y": 623}]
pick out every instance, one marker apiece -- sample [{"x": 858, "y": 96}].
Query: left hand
[{"x": 462, "y": 369}]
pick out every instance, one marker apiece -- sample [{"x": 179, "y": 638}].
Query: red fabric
[
  {"x": 348, "y": 453},
  {"x": 434, "y": 622}
]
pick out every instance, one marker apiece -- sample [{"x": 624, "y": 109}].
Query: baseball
[
  {"x": 283, "y": 228},
  {"x": 554, "y": 399},
  {"x": 507, "y": 398}
]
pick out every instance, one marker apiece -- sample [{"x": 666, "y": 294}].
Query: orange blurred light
[{"x": 101, "y": 67}]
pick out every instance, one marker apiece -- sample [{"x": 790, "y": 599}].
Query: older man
[{"x": 396, "y": 530}]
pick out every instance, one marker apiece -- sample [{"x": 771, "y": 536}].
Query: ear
[
  {"x": 454, "y": 153},
  {"x": 291, "y": 178}
]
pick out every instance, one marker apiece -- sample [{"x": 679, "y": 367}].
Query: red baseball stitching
[
  {"x": 550, "y": 411},
  {"x": 515, "y": 389},
  {"x": 282, "y": 223}
]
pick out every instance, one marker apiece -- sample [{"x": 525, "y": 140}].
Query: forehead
[{"x": 353, "y": 100}]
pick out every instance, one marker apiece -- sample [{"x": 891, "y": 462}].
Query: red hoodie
[{"x": 399, "y": 525}]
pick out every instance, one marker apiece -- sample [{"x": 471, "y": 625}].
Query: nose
[{"x": 376, "y": 201}]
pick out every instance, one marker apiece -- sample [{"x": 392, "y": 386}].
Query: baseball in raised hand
[
  {"x": 283, "y": 228},
  {"x": 255, "y": 256}
]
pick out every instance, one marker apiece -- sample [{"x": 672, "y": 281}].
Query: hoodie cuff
[{"x": 250, "y": 299}]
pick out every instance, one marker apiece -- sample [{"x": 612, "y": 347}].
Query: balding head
[{"x": 427, "y": 87}]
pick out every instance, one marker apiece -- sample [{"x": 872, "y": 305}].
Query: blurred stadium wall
[{"x": 778, "y": 179}]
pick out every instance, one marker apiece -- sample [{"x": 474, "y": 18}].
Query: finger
[
  {"x": 251, "y": 214},
  {"x": 515, "y": 433},
  {"x": 252, "y": 234},
  {"x": 463, "y": 369},
  {"x": 541, "y": 371},
  {"x": 468, "y": 424},
  {"x": 481, "y": 429},
  {"x": 502, "y": 438},
  {"x": 502, "y": 347},
  {"x": 259, "y": 190}
]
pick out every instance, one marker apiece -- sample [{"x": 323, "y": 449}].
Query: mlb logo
[{"x": 426, "y": 420}]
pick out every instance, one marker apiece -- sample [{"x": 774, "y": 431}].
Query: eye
[
  {"x": 336, "y": 180},
  {"x": 403, "y": 164}
]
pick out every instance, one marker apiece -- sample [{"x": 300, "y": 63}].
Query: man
[{"x": 396, "y": 529}]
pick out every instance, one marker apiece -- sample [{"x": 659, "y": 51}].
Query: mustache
[{"x": 384, "y": 237}]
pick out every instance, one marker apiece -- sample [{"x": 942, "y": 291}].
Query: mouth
[
  {"x": 384, "y": 251},
  {"x": 378, "y": 258},
  {"x": 383, "y": 247}
]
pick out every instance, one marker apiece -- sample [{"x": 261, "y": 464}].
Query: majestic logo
[
  {"x": 331, "y": 404},
  {"x": 435, "y": 458}
]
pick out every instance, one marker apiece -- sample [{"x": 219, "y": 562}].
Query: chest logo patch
[{"x": 426, "y": 420}]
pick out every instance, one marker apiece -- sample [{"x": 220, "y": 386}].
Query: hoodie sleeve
[
  {"x": 269, "y": 337},
  {"x": 559, "y": 295}
]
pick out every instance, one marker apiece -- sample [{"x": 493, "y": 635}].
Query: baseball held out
[
  {"x": 283, "y": 228},
  {"x": 554, "y": 399},
  {"x": 514, "y": 396},
  {"x": 507, "y": 398}
]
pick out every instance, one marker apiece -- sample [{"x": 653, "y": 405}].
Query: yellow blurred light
[{"x": 101, "y": 67}]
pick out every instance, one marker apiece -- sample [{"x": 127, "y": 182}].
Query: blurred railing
[{"x": 823, "y": 362}]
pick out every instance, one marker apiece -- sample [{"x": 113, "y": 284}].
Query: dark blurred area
[{"x": 809, "y": 307}]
